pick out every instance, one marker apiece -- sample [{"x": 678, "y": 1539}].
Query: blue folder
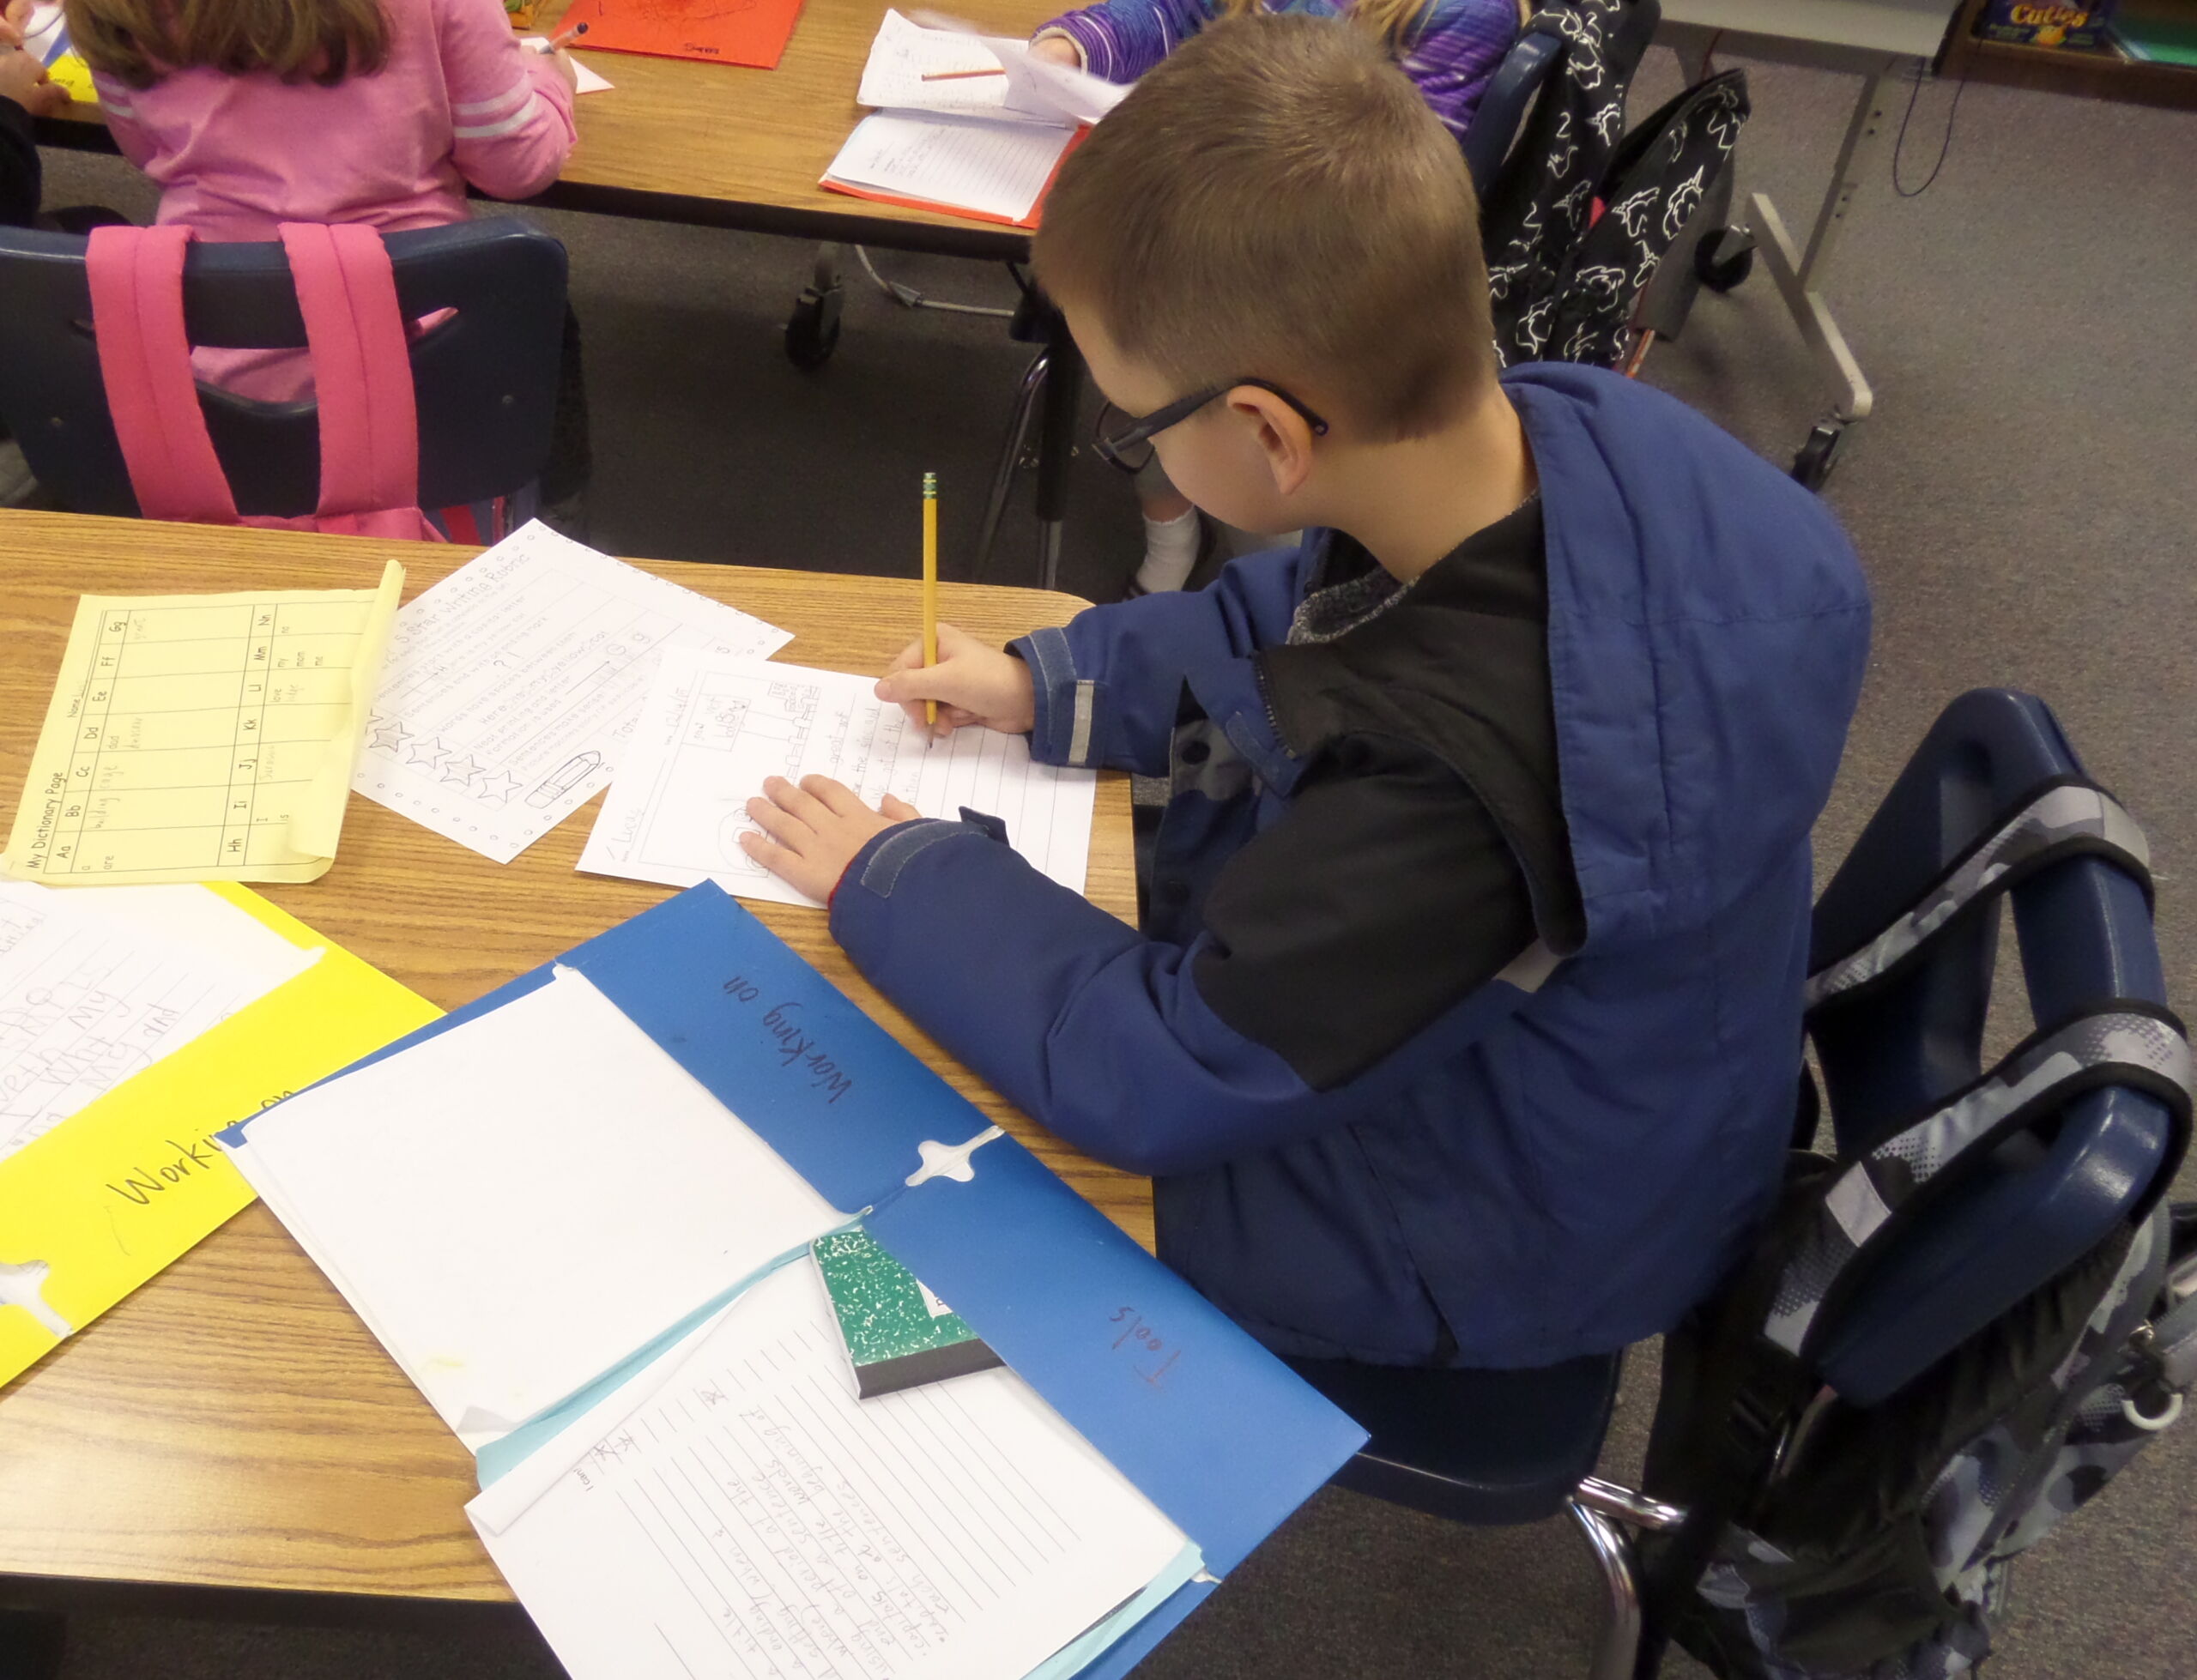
[{"x": 1214, "y": 1431}]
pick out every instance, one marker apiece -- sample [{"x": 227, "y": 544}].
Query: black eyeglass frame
[{"x": 1112, "y": 449}]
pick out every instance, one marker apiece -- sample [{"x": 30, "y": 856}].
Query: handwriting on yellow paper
[{"x": 202, "y": 738}]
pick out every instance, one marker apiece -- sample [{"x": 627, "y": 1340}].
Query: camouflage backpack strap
[
  {"x": 1873, "y": 1199},
  {"x": 2059, "y": 819}
]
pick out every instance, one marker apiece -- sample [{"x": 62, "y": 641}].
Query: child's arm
[
  {"x": 1104, "y": 690},
  {"x": 511, "y": 109},
  {"x": 1459, "y": 46},
  {"x": 1377, "y": 930},
  {"x": 1121, "y": 40}
]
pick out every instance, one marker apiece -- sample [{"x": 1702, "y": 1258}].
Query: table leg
[
  {"x": 31, "y": 1645},
  {"x": 1800, "y": 275},
  {"x": 1056, "y": 444}
]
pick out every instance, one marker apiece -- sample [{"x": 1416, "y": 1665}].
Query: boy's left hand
[{"x": 814, "y": 830}]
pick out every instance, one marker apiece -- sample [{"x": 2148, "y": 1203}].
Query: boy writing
[{"x": 1463, "y": 1025}]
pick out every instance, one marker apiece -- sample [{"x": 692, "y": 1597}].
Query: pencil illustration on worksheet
[{"x": 513, "y": 683}]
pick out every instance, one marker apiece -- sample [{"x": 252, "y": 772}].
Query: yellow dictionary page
[{"x": 203, "y": 737}]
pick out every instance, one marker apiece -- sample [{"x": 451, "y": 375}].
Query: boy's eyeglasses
[{"x": 1126, "y": 442}]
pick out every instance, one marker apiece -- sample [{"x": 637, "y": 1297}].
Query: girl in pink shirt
[{"x": 250, "y": 113}]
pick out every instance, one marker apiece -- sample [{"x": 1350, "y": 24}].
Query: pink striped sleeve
[
  {"x": 119, "y": 105},
  {"x": 511, "y": 112}
]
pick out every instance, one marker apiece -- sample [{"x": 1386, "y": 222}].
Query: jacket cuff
[
  {"x": 875, "y": 869},
  {"x": 1066, "y": 707}
]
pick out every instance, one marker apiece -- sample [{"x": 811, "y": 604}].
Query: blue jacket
[{"x": 1566, "y": 1158}]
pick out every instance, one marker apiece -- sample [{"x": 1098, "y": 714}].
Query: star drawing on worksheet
[
  {"x": 389, "y": 736},
  {"x": 461, "y": 771},
  {"x": 426, "y": 754},
  {"x": 500, "y": 787}
]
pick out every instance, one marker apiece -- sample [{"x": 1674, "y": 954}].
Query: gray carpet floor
[{"x": 2023, "y": 500}]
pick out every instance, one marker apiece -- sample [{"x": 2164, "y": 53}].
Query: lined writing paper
[
  {"x": 753, "y": 1519},
  {"x": 714, "y": 727}
]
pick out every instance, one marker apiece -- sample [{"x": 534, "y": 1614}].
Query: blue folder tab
[{"x": 1213, "y": 1430}]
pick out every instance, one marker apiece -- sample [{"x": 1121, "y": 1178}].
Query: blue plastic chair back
[
  {"x": 2084, "y": 929},
  {"x": 485, "y": 379},
  {"x": 1517, "y": 82}
]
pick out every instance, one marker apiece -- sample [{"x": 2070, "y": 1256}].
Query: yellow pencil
[{"x": 931, "y": 585}]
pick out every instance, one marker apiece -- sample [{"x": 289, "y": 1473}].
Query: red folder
[{"x": 721, "y": 32}]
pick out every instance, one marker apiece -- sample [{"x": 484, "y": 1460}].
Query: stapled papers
[
  {"x": 202, "y": 738},
  {"x": 716, "y": 726},
  {"x": 751, "y": 1515},
  {"x": 512, "y": 683}
]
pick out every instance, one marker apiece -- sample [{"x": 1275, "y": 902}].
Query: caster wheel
[
  {"x": 1722, "y": 259},
  {"x": 1812, "y": 465},
  {"x": 813, "y": 329}
]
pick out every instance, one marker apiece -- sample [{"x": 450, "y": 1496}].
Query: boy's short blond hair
[{"x": 1276, "y": 200}]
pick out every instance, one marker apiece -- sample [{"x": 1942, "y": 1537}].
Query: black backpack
[
  {"x": 1827, "y": 1540},
  {"x": 1584, "y": 210}
]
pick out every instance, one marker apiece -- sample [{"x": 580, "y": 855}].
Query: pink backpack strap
[
  {"x": 135, "y": 276},
  {"x": 361, "y": 366}
]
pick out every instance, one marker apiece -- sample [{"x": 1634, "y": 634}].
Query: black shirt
[{"x": 1423, "y": 849}]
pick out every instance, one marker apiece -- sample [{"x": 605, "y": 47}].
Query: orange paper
[{"x": 721, "y": 32}]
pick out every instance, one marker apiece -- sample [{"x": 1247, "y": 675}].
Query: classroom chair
[
  {"x": 1508, "y": 1447},
  {"x": 485, "y": 379}
]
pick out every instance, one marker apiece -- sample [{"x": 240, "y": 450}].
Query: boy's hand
[
  {"x": 814, "y": 830},
  {"x": 971, "y": 682},
  {"x": 23, "y": 79}
]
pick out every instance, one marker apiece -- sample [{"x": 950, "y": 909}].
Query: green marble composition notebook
[{"x": 899, "y": 1334}]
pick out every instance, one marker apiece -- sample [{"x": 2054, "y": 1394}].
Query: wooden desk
[
  {"x": 233, "y": 1424},
  {"x": 725, "y": 146}
]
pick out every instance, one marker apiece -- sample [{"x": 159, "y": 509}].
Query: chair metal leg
[
  {"x": 1617, "y": 1645},
  {"x": 1017, "y": 437},
  {"x": 1056, "y": 443}
]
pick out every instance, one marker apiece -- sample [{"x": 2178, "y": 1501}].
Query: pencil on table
[
  {"x": 957, "y": 76},
  {"x": 930, "y": 586}
]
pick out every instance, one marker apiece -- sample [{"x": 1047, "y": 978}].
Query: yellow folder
[{"x": 124, "y": 1187}]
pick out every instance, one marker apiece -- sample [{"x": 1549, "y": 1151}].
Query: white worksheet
[
  {"x": 511, "y": 686},
  {"x": 93, "y": 991},
  {"x": 714, "y": 727},
  {"x": 515, "y": 1204},
  {"x": 750, "y": 1517}
]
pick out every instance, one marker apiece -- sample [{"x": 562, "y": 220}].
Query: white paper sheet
[
  {"x": 511, "y": 685},
  {"x": 993, "y": 168},
  {"x": 1019, "y": 87},
  {"x": 714, "y": 727},
  {"x": 517, "y": 1203},
  {"x": 99, "y": 984},
  {"x": 585, "y": 81},
  {"x": 905, "y": 52},
  {"x": 751, "y": 1518}
]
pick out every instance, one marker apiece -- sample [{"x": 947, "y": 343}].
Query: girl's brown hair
[{"x": 139, "y": 41}]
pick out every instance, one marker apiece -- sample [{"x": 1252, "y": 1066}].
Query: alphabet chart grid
[{"x": 201, "y": 738}]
